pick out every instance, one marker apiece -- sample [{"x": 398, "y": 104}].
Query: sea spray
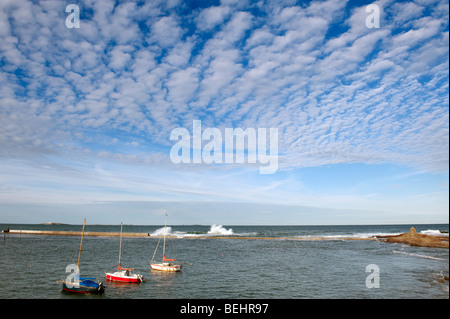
[
  {"x": 162, "y": 231},
  {"x": 220, "y": 230},
  {"x": 433, "y": 232},
  {"x": 214, "y": 230}
]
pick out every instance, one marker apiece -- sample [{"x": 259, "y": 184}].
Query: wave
[
  {"x": 214, "y": 230},
  {"x": 344, "y": 236},
  {"x": 416, "y": 255},
  {"x": 433, "y": 232},
  {"x": 162, "y": 231},
  {"x": 217, "y": 230},
  {"x": 220, "y": 230},
  {"x": 371, "y": 235}
]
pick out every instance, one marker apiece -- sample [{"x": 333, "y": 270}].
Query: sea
[{"x": 230, "y": 262}]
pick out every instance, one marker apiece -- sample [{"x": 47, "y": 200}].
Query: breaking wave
[
  {"x": 220, "y": 230},
  {"x": 162, "y": 231},
  {"x": 214, "y": 230},
  {"x": 433, "y": 232}
]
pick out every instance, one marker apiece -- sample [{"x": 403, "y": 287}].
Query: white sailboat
[
  {"x": 166, "y": 264},
  {"x": 124, "y": 274}
]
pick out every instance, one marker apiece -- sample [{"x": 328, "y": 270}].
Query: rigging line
[
  {"x": 164, "y": 233},
  {"x": 156, "y": 249},
  {"x": 81, "y": 245},
  {"x": 120, "y": 243}
]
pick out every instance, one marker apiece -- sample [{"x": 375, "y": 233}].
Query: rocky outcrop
[{"x": 415, "y": 239}]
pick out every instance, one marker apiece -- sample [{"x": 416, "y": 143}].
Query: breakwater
[
  {"x": 125, "y": 234},
  {"x": 72, "y": 233}
]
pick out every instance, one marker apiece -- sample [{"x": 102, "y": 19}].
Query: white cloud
[
  {"x": 120, "y": 57},
  {"x": 212, "y": 16},
  {"x": 85, "y": 115},
  {"x": 166, "y": 31},
  {"x": 182, "y": 85},
  {"x": 354, "y": 94}
]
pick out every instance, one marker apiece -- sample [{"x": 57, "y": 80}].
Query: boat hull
[
  {"x": 166, "y": 267},
  {"x": 121, "y": 277},
  {"x": 84, "y": 287}
]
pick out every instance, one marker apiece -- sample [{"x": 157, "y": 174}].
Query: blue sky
[{"x": 362, "y": 113}]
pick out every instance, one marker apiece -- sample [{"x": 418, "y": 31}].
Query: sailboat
[
  {"x": 166, "y": 264},
  {"x": 124, "y": 274},
  {"x": 82, "y": 284}
]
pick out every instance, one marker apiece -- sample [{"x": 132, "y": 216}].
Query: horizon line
[{"x": 206, "y": 225}]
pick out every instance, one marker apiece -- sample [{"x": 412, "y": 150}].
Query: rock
[{"x": 415, "y": 239}]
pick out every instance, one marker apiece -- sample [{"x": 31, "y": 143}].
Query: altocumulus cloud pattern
[
  {"x": 337, "y": 91},
  {"x": 112, "y": 90}
]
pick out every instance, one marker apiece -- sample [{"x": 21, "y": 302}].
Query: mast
[
  {"x": 165, "y": 229},
  {"x": 120, "y": 243},
  {"x": 81, "y": 245}
]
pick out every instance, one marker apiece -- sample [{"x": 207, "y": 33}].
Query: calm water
[{"x": 229, "y": 268}]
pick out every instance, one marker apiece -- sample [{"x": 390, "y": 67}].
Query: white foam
[
  {"x": 220, "y": 230},
  {"x": 213, "y": 231},
  {"x": 343, "y": 236},
  {"x": 162, "y": 231},
  {"x": 416, "y": 255},
  {"x": 433, "y": 232},
  {"x": 370, "y": 235}
]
